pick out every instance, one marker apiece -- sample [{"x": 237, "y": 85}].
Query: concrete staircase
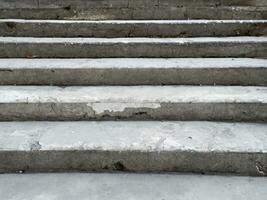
[{"x": 152, "y": 86}]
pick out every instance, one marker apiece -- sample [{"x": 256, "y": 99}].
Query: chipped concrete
[
  {"x": 100, "y": 108},
  {"x": 233, "y": 103},
  {"x": 201, "y": 147}
]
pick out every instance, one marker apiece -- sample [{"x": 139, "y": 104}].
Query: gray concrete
[
  {"x": 82, "y": 4},
  {"x": 134, "y": 71},
  {"x": 132, "y": 28},
  {"x": 133, "y": 9},
  {"x": 30, "y": 47},
  {"x": 85, "y": 186},
  {"x": 133, "y": 103},
  {"x": 200, "y": 147}
]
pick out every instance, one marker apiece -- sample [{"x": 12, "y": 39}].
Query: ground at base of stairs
[{"x": 130, "y": 186}]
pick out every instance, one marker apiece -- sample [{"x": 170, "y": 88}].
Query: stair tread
[
  {"x": 134, "y": 136},
  {"x": 70, "y": 186},
  {"x": 133, "y": 94},
  {"x": 144, "y": 40},
  {"x": 189, "y": 21},
  {"x": 120, "y": 63}
]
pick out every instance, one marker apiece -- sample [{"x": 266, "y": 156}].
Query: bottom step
[
  {"x": 199, "y": 147},
  {"x": 82, "y": 186}
]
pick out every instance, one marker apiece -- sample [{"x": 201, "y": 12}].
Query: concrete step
[
  {"x": 29, "y": 47},
  {"x": 231, "y": 103},
  {"x": 160, "y": 13},
  {"x": 83, "y": 4},
  {"x": 134, "y": 71},
  {"x": 199, "y": 147},
  {"x": 133, "y": 9},
  {"x": 132, "y": 28},
  {"x": 121, "y": 186}
]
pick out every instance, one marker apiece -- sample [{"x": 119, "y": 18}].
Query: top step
[{"x": 134, "y": 9}]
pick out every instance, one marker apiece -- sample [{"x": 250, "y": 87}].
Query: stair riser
[
  {"x": 124, "y": 29},
  {"x": 131, "y": 50},
  {"x": 134, "y": 76},
  {"x": 184, "y": 13},
  {"x": 164, "y": 111},
  {"x": 97, "y": 160},
  {"x": 69, "y": 4}
]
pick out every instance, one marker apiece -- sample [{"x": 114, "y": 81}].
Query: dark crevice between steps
[
  {"x": 119, "y": 166},
  {"x": 11, "y": 25},
  {"x": 68, "y": 8}
]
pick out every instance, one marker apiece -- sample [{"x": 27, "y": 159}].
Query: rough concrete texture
[
  {"x": 30, "y": 47},
  {"x": 201, "y": 147},
  {"x": 53, "y": 4},
  {"x": 104, "y": 186},
  {"x": 126, "y": 4},
  {"x": 132, "y": 28},
  {"x": 133, "y": 9},
  {"x": 134, "y": 71},
  {"x": 133, "y": 102}
]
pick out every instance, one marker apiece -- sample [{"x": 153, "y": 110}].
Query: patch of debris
[{"x": 35, "y": 146}]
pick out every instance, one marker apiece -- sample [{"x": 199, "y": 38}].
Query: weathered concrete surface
[
  {"x": 183, "y": 13},
  {"x": 133, "y": 102},
  {"x": 29, "y": 47},
  {"x": 70, "y": 4},
  {"x": 132, "y": 28},
  {"x": 132, "y": 71},
  {"x": 201, "y": 147},
  {"x": 133, "y": 9},
  {"x": 105, "y": 186}
]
